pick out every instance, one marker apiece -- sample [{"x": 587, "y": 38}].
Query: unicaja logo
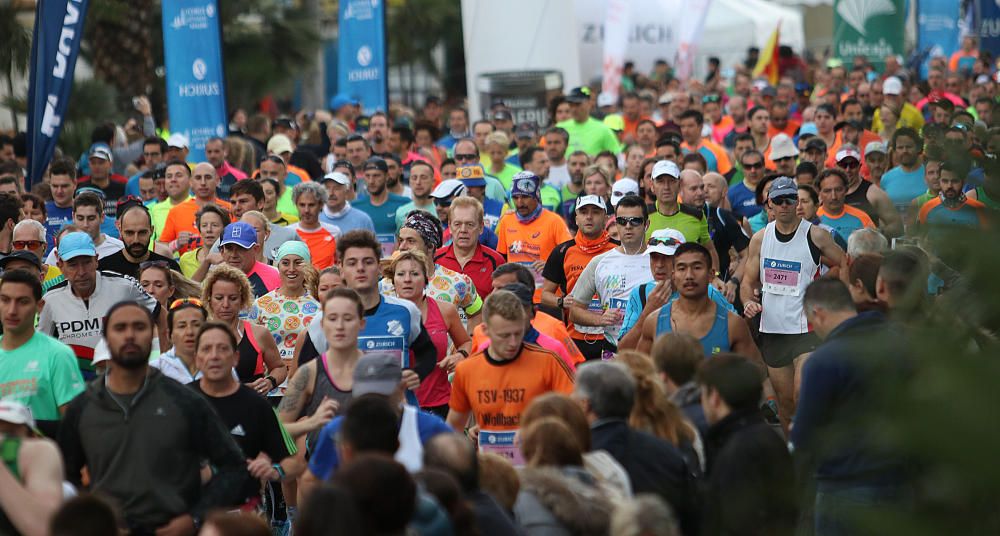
[
  {"x": 857, "y": 12},
  {"x": 199, "y": 69}
]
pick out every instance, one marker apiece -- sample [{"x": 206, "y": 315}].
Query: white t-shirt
[
  {"x": 612, "y": 275},
  {"x": 110, "y": 246},
  {"x": 558, "y": 176}
]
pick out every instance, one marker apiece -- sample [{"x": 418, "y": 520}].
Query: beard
[
  {"x": 132, "y": 358},
  {"x": 137, "y": 250}
]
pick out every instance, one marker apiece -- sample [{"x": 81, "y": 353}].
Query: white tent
[{"x": 733, "y": 26}]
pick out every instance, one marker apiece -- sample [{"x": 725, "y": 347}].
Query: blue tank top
[{"x": 717, "y": 339}]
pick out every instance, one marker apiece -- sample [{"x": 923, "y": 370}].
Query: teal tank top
[{"x": 717, "y": 339}]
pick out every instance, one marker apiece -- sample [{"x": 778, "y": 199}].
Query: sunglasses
[
  {"x": 710, "y": 98},
  {"x": 465, "y": 157},
  {"x": 849, "y": 165},
  {"x": 128, "y": 199},
  {"x": 669, "y": 241},
  {"x": 443, "y": 203},
  {"x": 185, "y": 301},
  {"x": 275, "y": 159},
  {"x": 633, "y": 221},
  {"x": 785, "y": 200},
  {"x": 782, "y": 159},
  {"x": 757, "y": 165},
  {"x": 154, "y": 264},
  {"x": 28, "y": 244}
]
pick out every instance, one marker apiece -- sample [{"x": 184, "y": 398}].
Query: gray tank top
[{"x": 323, "y": 387}]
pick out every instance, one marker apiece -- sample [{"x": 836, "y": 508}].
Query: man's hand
[
  {"x": 143, "y": 105},
  {"x": 448, "y": 363},
  {"x": 718, "y": 284},
  {"x": 538, "y": 266},
  {"x": 730, "y": 291},
  {"x": 182, "y": 525},
  {"x": 751, "y": 309},
  {"x": 261, "y": 468},
  {"x": 184, "y": 238},
  {"x": 611, "y": 317},
  {"x": 568, "y": 301},
  {"x": 411, "y": 379},
  {"x": 213, "y": 258},
  {"x": 659, "y": 296},
  {"x": 261, "y": 386}
]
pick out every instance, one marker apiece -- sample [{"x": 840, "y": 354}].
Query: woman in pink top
[{"x": 408, "y": 272}]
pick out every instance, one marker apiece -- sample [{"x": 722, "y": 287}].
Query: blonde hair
[
  {"x": 652, "y": 411},
  {"x": 260, "y": 215},
  {"x": 597, "y": 169},
  {"x": 497, "y": 137},
  {"x": 504, "y": 304},
  {"x": 465, "y": 201},
  {"x": 224, "y": 272},
  {"x": 410, "y": 255}
]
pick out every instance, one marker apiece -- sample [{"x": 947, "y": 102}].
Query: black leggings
[{"x": 594, "y": 351}]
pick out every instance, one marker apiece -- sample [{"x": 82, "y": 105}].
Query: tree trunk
[{"x": 313, "y": 90}]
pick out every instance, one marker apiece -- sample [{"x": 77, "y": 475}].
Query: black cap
[
  {"x": 816, "y": 143},
  {"x": 20, "y": 255},
  {"x": 856, "y": 125},
  {"x": 526, "y": 130},
  {"x": 579, "y": 94},
  {"x": 285, "y": 122},
  {"x": 522, "y": 292},
  {"x": 377, "y": 163}
]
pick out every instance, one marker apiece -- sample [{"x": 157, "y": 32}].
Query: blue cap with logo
[
  {"x": 525, "y": 183},
  {"x": 76, "y": 244},
  {"x": 240, "y": 233}
]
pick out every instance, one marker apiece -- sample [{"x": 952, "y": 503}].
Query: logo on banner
[
  {"x": 857, "y": 12},
  {"x": 364, "y": 56},
  {"x": 193, "y": 18},
  {"x": 199, "y": 69}
]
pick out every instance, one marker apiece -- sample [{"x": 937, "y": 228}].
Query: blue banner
[
  {"x": 362, "y": 58},
  {"x": 196, "y": 92},
  {"x": 938, "y": 31},
  {"x": 988, "y": 24},
  {"x": 55, "y": 44}
]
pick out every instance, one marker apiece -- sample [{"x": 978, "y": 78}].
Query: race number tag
[
  {"x": 502, "y": 443},
  {"x": 388, "y": 242},
  {"x": 381, "y": 344},
  {"x": 781, "y": 277}
]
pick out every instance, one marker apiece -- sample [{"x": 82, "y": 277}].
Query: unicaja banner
[
  {"x": 362, "y": 53},
  {"x": 196, "y": 92},
  {"x": 869, "y": 28},
  {"x": 55, "y": 45}
]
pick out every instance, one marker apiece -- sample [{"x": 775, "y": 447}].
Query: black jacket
[
  {"x": 653, "y": 465},
  {"x": 147, "y": 455},
  {"x": 750, "y": 487}
]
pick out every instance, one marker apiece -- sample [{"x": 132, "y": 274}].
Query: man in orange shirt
[
  {"x": 691, "y": 123},
  {"x": 320, "y": 237},
  {"x": 496, "y": 385},
  {"x": 780, "y": 121},
  {"x": 529, "y": 234},
  {"x": 179, "y": 232}
]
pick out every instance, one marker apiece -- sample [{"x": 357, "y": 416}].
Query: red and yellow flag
[{"x": 767, "y": 62}]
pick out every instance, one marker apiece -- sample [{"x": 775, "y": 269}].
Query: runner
[
  {"x": 240, "y": 249},
  {"x": 474, "y": 180},
  {"x": 62, "y": 185},
  {"x": 952, "y": 208},
  {"x": 530, "y": 234},
  {"x": 466, "y": 255},
  {"x": 75, "y": 310},
  {"x": 321, "y": 238},
  {"x": 784, "y": 257},
  {"x": 905, "y": 181},
  {"x": 31, "y": 473},
  {"x": 718, "y": 328},
  {"x": 496, "y": 385},
  {"x": 741, "y": 195},
  {"x": 867, "y": 197},
  {"x": 843, "y": 218},
  {"x": 135, "y": 226},
  {"x": 380, "y": 203},
  {"x": 179, "y": 231},
  {"x": 338, "y": 210},
  {"x": 568, "y": 260},
  {"x": 691, "y": 123},
  {"x": 421, "y": 184},
  {"x": 87, "y": 215},
  {"x": 611, "y": 276},
  {"x": 586, "y": 133},
  {"x": 177, "y": 183},
  {"x": 184, "y": 318}
]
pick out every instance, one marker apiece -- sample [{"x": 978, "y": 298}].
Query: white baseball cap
[
  {"x": 666, "y": 167},
  {"x": 337, "y": 177},
  {"x": 782, "y": 146},
  {"x": 665, "y": 241},
  {"x": 622, "y": 188},
  {"x": 590, "y": 200},
  {"x": 876, "y": 147},
  {"x": 448, "y": 188},
  {"x": 178, "y": 140},
  {"x": 892, "y": 86}
]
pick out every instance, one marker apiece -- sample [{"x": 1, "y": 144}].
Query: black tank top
[
  {"x": 323, "y": 387},
  {"x": 859, "y": 200},
  {"x": 251, "y": 364}
]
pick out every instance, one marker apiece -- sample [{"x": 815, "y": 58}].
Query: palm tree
[{"x": 15, "y": 51}]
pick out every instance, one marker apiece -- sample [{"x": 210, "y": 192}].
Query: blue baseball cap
[
  {"x": 340, "y": 100},
  {"x": 240, "y": 233},
  {"x": 76, "y": 244}
]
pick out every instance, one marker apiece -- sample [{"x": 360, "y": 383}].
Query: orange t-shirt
[
  {"x": 497, "y": 393},
  {"x": 183, "y": 218},
  {"x": 322, "y": 243},
  {"x": 546, "y": 325},
  {"x": 791, "y": 127},
  {"x": 867, "y": 137},
  {"x": 525, "y": 244}
]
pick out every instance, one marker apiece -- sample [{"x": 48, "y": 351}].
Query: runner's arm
[
  {"x": 741, "y": 341},
  {"x": 890, "y": 222},
  {"x": 751, "y": 271},
  {"x": 457, "y": 419},
  {"x": 276, "y": 368},
  {"x": 297, "y": 396},
  {"x": 29, "y": 504},
  {"x": 648, "y": 334},
  {"x": 549, "y": 297}
]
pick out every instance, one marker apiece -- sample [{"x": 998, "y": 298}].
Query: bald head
[
  {"x": 203, "y": 181},
  {"x": 455, "y": 454},
  {"x": 692, "y": 189},
  {"x": 715, "y": 188}
]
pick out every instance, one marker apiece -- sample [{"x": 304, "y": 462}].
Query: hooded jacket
[{"x": 561, "y": 501}]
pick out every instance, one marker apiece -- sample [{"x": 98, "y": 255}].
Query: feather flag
[{"x": 767, "y": 62}]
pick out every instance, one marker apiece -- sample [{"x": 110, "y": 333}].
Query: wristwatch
[{"x": 559, "y": 302}]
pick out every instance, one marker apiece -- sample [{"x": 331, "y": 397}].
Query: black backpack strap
[{"x": 642, "y": 297}]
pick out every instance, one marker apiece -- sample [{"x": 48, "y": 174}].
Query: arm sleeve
[
  {"x": 501, "y": 233},
  {"x": 70, "y": 444},
  {"x": 424, "y": 354},
  {"x": 214, "y": 443},
  {"x": 471, "y": 303},
  {"x": 704, "y": 238},
  {"x": 323, "y": 460},
  {"x": 459, "y": 401},
  {"x": 586, "y": 284}
]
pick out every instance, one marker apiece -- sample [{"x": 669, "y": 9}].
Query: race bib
[
  {"x": 781, "y": 277},
  {"x": 502, "y": 443},
  {"x": 384, "y": 344},
  {"x": 388, "y": 242}
]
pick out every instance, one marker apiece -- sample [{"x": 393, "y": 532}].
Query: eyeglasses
[
  {"x": 785, "y": 200},
  {"x": 185, "y": 301},
  {"x": 659, "y": 241},
  {"x": 154, "y": 264},
  {"x": 633, "y": 221},
  {"x": 782, "y": 159},
  {"x": 466, "y": 157},
  {"x": 28, "y": 244},
  {"x": 755, "y": 165}
]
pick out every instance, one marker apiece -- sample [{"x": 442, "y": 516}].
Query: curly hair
[
  {"x": 224, "y": 272},
  {"x": 652, "y": 411}
]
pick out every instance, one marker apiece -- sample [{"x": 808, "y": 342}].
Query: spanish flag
[{"x": 767, "y": 62}]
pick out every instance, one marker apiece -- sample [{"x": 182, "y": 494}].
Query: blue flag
[
  {"x": 196, "y": 92},
  {"x": 55, "y": 45},
  {"x": 362, "y": 58}
]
